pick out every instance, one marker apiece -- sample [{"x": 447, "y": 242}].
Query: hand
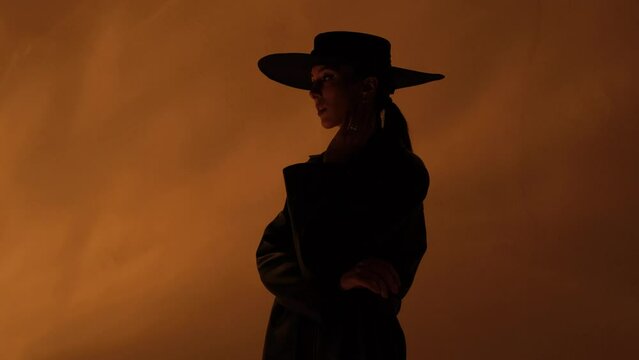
[{"x": 374, "y": 274}]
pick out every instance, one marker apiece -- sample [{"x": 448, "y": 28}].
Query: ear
[{"x": 370, "y": 86}]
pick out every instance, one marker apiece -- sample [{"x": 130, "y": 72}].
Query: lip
[{"x": 320, "y": 110}]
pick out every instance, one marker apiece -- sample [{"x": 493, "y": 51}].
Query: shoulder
[
  {"x": 408, "y": 169},
  {"x": 415, "y": 163},
  {"x": 391, "y": 154}
]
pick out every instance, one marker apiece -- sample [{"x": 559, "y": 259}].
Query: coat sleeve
[
  {"x": 341, "y": 214},
  {"x": 280, "y": 272}
]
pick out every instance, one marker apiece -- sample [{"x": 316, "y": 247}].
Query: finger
[
  {"x": 383, "y": 288},
  {"x": 381, "y": 284},
  {"x": 356, "y": 279},
  {"x": 385, "y": 270},
  {"x": 361, "y": 281},
  {"x": 395, "y": 275},
  {"x": 389, "y": 268},
  {"x": 372, "y": 278},
  {"x": 383, "y": 273},
  {"x": 371, "y": 285},
  {"x": 347, "y": 280}
]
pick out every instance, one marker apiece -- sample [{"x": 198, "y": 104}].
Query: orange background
[{"x": 141, "y": 154}]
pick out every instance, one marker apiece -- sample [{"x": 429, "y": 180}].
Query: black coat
[{"x": 336, "y": 215}]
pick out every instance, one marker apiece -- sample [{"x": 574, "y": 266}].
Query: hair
[{"x": 395, "y": 125}]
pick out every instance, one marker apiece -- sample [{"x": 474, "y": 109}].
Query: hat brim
[{"x": 294, "y": 70}]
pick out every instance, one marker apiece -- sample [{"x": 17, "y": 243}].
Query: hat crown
[
  {"x": 368, "y": 54},
  {"x": 353, "y": 47}
]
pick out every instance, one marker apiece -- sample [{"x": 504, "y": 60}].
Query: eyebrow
[{"x": 322, "y": 68}]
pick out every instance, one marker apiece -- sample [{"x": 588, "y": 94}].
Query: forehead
[{"x": 316, "y": 69}]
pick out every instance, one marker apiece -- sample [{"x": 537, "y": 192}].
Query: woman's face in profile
[{"x": 334, "y": 93}]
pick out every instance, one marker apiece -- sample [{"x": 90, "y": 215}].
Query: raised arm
[
  {"x": 280, "y": 272},
  {"x": 342, "y": 214}
]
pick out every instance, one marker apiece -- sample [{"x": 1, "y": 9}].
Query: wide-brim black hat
[{"x": 364, "y": 51}]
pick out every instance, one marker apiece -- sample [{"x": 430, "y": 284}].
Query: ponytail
[{"x": 395, "y": 125}]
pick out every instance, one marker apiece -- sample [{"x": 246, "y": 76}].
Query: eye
[
  {"x": 324, "y": 77},
  {"x": 327, "y": 76}
]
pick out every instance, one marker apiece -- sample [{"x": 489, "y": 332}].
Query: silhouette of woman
[{"x": 343, "y": 252}]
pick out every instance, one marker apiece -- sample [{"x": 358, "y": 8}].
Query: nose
[{"x": 316, "y": 90}]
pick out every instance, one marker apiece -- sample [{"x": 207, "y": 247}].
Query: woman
[{"x": 343, "y": 252}]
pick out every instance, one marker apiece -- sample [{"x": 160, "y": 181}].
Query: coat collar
[{"x": 379, "y": 144}]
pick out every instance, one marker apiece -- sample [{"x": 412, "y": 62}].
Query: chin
[{"x": 329, "y": 123}]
